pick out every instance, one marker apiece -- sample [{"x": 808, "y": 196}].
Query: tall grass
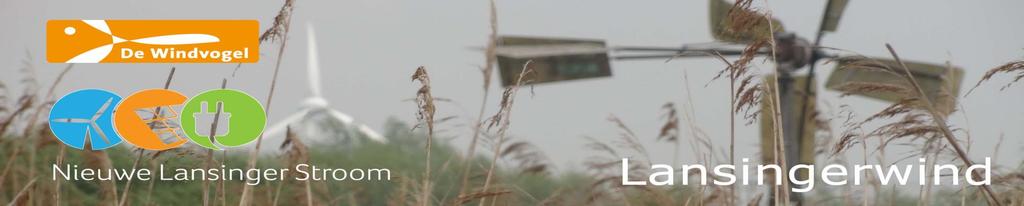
[
  {"x": 297, "y": 153},
  {"x": 209, "y": 152},
  {"x": 940, "y": 120},
  {"x": 1008, "y": 68},
  {"x": 503, "y": 120},
  {"x": 277, "y": 31},
  {"x": 490, "y": 59}
]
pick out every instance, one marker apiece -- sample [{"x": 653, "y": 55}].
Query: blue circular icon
[{"x": 84, "y": 116}]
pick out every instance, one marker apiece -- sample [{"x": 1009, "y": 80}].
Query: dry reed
[
  {"x": 669, "y": 131},
  {"x": 502, "y": 119},
  {"x": 940, "y": 121},
  {"x": 23, "y": 195},
  {"x": 606, "y": 170},
  {"x": 1016, "y": 66},
  {"x": 27, "y": 101},
  {"x": 277, "y": 32},
  {"x": 488, "y": 70},
  {"x": 297, "y": 153},
  {"x": 425, "y": 113},
  {"x": 213, "y": 133},
  {"x": 527, "y": 157}
]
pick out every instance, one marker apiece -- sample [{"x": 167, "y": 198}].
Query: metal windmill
[{"x": 557, "y": 59}]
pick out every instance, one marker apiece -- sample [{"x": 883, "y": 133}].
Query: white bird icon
[{"x": 94, "y": 55}]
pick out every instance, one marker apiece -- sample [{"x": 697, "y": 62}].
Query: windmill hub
[
  {"x": 315, "y": 102},
  {"x": 792, "y": 52}
]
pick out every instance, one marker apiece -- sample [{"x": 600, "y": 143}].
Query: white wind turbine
[{"x": 316, "y": 107}]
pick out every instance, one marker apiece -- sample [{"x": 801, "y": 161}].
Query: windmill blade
[
  {"x": 532, "y": 51},
  {"x": 940, "y": 83},
  {"x": 281, "y": 126},
  {"x": 347, "y": 120},
  {"x": 670, "y": 53},
  {"x": 829, "y": 22},
  {"x": 833, "y": 12},
  {"x": 178, "y": 39},
  {"x": 753, "y": 25},
  {"x": 312, "y": 63},
  {"x": 551, "y": 58},
  {"x": 918, "y": 69}
]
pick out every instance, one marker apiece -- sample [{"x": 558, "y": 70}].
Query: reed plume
[
  {"x": 527, "y": 157},
  {"x": 1009, "y": 68},
  {"x": 502, "y": 119},
  {"x": 425, "y": 113}
]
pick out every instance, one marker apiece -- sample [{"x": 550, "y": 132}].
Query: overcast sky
[{"x": 369, "y": 48}]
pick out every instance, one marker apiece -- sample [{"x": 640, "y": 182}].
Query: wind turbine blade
[
  {"x": 312, "y": 63},
  {"x": 178, "y": 39},
  {"x": 76, "y": 121},
  {"x": 344, "y": 118},
  {"x": 101, "y": 110},
  {"x": 99, "y": 131},
  {"x": 372, "y": 134},
  {"x": 348, "y": 121},
  {"x": 280, "y": 127}
]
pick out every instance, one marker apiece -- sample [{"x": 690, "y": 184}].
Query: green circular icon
[{"x": 238, "y": 116}]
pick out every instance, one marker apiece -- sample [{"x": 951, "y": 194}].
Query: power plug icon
[{"x": 205, "y": 119}]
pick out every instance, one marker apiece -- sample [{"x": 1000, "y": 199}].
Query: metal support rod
[
  {"x": 682, "y": 49},
  {"x": 668, "y": 52},
  {"x": 664, "y": 56}
]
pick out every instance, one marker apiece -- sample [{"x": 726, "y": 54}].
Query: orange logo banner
[{"x": 152, "y": 41}]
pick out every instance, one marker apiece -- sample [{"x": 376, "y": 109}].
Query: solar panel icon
[{"x": 84, "y": 117}]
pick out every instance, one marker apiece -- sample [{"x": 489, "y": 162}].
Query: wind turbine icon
[
  {"x": 316, "y": 107},
  {"x": 92, "y": 121},
  {"x": 82, "y": 116}
]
